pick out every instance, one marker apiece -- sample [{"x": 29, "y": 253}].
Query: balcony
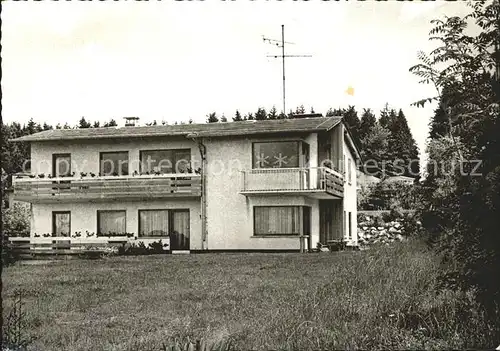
[
  {"x": 320, "y": 182},
  {"x": 73, "y": 189}
]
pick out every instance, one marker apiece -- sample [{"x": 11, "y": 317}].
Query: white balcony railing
[
  {"x": 108, "y": 187},
  {"x": 319, "y": 179}
]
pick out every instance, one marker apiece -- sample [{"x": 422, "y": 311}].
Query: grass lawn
[{"x": 380, "y": 298}]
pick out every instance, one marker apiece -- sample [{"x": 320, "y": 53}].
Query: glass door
[
  {"x": 179, "y": 230},
  {"x": 61, "y": 167}
]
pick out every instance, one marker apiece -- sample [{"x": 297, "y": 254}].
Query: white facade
[{"x": 222, "y": 216}]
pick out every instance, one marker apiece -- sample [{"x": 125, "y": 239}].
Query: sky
[{"x": 176, "y": 60}]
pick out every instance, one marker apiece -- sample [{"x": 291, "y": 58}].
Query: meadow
[{"x": 387, "y": 297}]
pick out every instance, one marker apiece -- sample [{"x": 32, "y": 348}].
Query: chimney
[{"x": 131, "y": 121}]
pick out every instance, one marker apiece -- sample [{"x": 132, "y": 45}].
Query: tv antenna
[{"x": 281, "y": 43}]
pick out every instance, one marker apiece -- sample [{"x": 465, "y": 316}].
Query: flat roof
[{"x": 220, "y": 129}]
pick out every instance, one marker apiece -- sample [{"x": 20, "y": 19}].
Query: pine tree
[
  {"x": 261, "y": 114},
  {"x": 368, "y": 121},
  {"x": 273, "y": 113},
  {"x": 46, "y": 126},
  {"x": 282, "y": 115},
  {"x": 300, "y": 110},
  {"x": 312, "y": 110},
  {"x": 352, "y": 120},
  {"x": 384, "y": 116},
  {"x": 83, "y": 123},
  {"x": 330, "y": 113},
  {"x": 403, "y": 145},
  {"x": 111, "y": 123},
  {"x": 97, "y": 124},
  {"x": 375, "y": 145},
  {"x": 237, "y": 117},
  {"x": 212, "y": 118},
  {"x": 223, "y": 118},
  {"x": 249, "y": 117}
]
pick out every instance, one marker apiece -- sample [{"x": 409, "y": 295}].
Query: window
[
  {"x": 153, "y": 222},
  {"x": 275, "y": 220},
  {"x": 113, "y": 222},
  {"x": 284, "y": 154},
  {"x": 349, "y": 171},
  {"x": 61, "y": 223},
  {"x": 114, "y": 163},
  {"x": 61, "y": 165},
  {"x": 350, "y": 226},
  {"x": 165, "y": 161}
]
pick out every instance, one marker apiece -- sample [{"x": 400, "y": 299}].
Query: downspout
[{"x": 203, "y": 155}]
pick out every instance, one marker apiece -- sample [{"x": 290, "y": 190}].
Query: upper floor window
[
  {"x": 61, "y": 165},
  {"x": 114, "y": 163},
  {"x": 283, "y": 154},
  {"x": 165, "y": 161},
  {"x": 349, "y": 170}
]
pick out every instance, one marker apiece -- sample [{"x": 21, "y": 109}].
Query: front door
[{"x": 179, "y": 230}]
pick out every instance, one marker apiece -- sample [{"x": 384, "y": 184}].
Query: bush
[
  {"x": 156, "y": 247},
  {"x": 16, "y": 220},
  {"x": 14, "y": 327}
]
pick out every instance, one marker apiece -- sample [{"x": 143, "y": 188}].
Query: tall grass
[{"x": 384, "y": 298}]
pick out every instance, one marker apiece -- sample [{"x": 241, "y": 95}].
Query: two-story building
[{"x": 251, "y": 185}]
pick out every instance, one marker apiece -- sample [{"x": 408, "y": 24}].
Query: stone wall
[{"x": 373, "y": 229}]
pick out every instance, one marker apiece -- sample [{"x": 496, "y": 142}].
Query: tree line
[{"x": 386, "y": 144}]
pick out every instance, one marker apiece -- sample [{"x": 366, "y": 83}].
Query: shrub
[
  {"x": 14, "y": 325},
  {"x": 16, "y": 220},
  {"x": 156, "y": 247}
]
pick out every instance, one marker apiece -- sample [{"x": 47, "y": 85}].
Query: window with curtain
[
  {"x": 165, "y": 161},
  {"x": 114, "y": 163},
  {"x": 61, "y": 223},
  {"x": 274, "y": 220},
  {"x": 111, "y": 222},
  {"x": 153, "y": 222},
  {"x": 284, "y": 154},
  {"x": 61, "y": 165}
]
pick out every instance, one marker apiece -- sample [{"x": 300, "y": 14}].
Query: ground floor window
[
  {"x": 350, "y": 225},
  {"x": 153, "y": 222},
  {"x": 61, "y": 223},
  {"x": 277, "y": 220},
  {"x": 111, "y": 222}
]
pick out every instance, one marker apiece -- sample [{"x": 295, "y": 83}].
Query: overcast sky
[{"x": 178, "y": 60}]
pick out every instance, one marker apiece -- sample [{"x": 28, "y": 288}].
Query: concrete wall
[{"x": 350, "y": 196}]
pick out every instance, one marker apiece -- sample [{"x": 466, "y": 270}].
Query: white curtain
[
  {"x": 62, "y": 224},
  {"x": 276, "y": 220},
  {"x": 153, "y": 223},
  {"x": 112, "y": 222}
]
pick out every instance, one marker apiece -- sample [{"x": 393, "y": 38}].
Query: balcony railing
[
  {"x": 107, "y": 187},
  {"x": 320, "y": 180}
]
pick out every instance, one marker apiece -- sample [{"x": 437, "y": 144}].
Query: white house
[{"x": 251, "y": 185}]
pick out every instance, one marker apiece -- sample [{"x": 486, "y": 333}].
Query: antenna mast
[{"x": 281, "y": 44}]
